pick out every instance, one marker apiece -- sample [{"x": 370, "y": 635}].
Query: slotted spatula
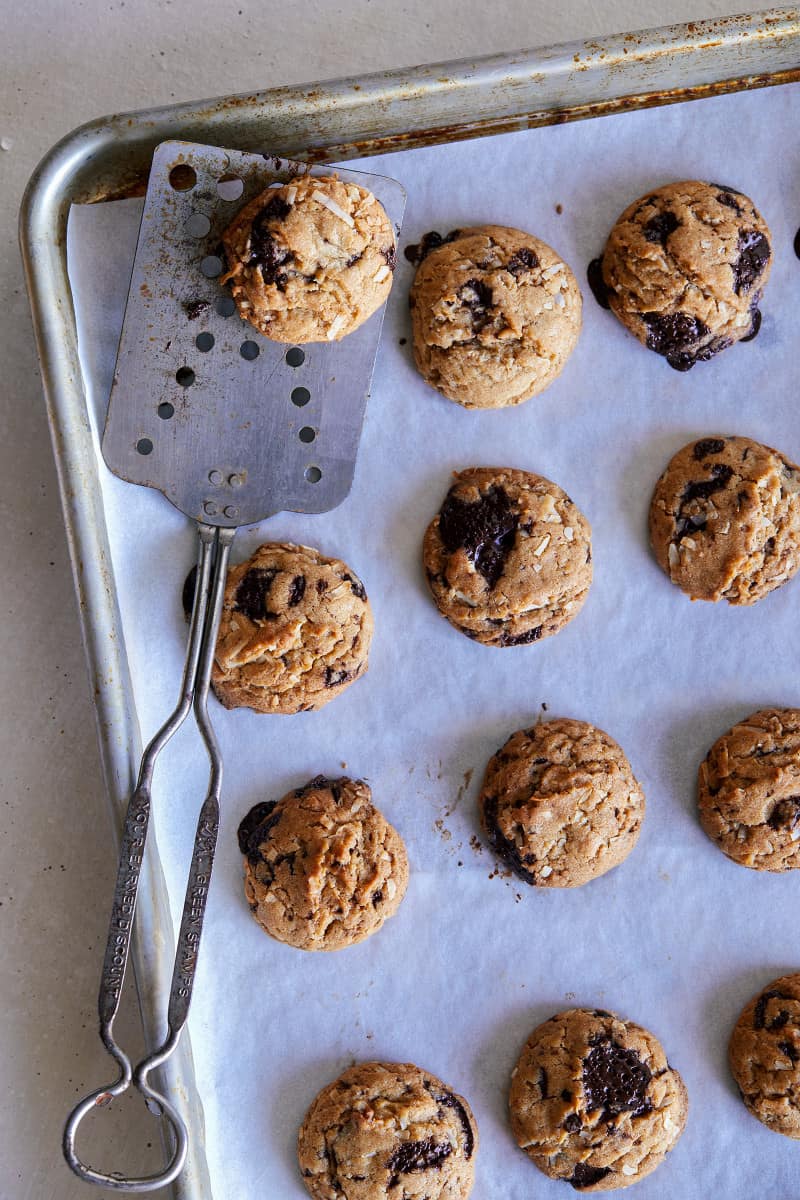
[{"x": 232, "y": 428}]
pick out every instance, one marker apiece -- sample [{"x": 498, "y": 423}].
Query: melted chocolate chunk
[
  {"x": 760, "y": 1014},
  {"x": 727, "y": 196},
  {"x": 521, "y": 639},
  {"x": 477, "y": 297},
  {"x": 390, "y": 254},
  {"x": 334, "y": 678},
  {"x": 701, "y": 489},
  {"x": 584, "y": 1176},
  {"x": 754, "y": 328},
  {"x": 594, "y": 276},
  {"x": 753, "y": 256},
  {"x": 430, "y": 241},
  {"x": 265, "y": 252},
  {"x": 675, "y": 335},
  {"x": 615, "y": 1080},
  {"x": 417, "y": 1156},
  {"x": 255, "y": 828},
  {"x": 252, "y": 592},
  {"x": 659, "y": 227},
  {"x": 503, "y": 848},
  {"x": 297, "y": 590},
  {"x": 356, "y": 587},
  {"x": 195, "y": 308},
  {"x": 187, "y": 592},
  {"x": 521, "y": 261},
  {"x": 707, "y": 446},
  {"x": 572, "y": 1123},
  {"x": 785, "y": 814},
  {"x": 451, "y": 1101},
  {"x": 485, "y": 528}
]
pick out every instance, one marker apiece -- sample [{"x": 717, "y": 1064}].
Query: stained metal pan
[{"x": 347, "y": 118}]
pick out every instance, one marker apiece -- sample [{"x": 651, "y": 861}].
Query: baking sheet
[{"x": 677, "y": 938}]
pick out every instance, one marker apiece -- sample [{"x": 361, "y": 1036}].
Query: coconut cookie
[
  {"x": 764, "y": 1055},
  {"x": 495, "y": 315},
  {"x": 295, "y": 631},
  {"x": 508, "y": 557},
  {"x": 323, "y": 868},
  {"x": 560, "y": 804},
  {"x": 725, "y": 519},
  {"x": 310, "y": 261},
  {"x": 749, "y": 791},
  {"x": 684, "y": 269},
  {"x": 388, "y": 1131},
  {"x": 594, "y": 1101}
]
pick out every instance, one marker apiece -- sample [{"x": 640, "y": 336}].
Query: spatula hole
[
  {"x": 198, "y": 225},
  {"x": 211, "y": 266},
  {"x": 229, "y": 187},
  {"x": 226, "y": 306},
  {"x": 204, "y": 341},
  {"x": 145, "y": 446},
  {"x": 307, "y": 434},
  {"x": 184, "y": 376},
  {"x": 295, "y": 357},
  {"x": 165, "y": 411},
  {"x": 301, "y": 397},
  {"x": 249, "y": 350},
  {"x": 182, "y": 177},
  {"x": 313, "y": 474}
]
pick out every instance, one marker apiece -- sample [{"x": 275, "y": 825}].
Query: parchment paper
[{"x": 678, "y": 938}]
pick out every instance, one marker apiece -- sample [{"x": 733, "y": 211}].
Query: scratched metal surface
[{"x": 320, "y": 123}]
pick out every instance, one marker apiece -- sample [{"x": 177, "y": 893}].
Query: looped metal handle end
[{"x": 156, "y": 1103}]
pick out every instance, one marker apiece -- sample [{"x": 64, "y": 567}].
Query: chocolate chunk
[
  {"x": 675, "y": 335},
  {"x": 584, "y": 1176},
  {"x": 334, "y": 678},
  {"x": 265, "y": 251},
  {"x": 195, "y": 308},
  {"x": 297, "y": 590},
  {"x": 707, "y": 446},
  {"x": 572, "y": 1123},
  {"x": 754, "y": 328},
  {"x": 521, "y": 261},
  {"x": 477, "y": 297},
  {"x": 390, "y": 254},
  {"x": 451, "y": 1101},
  {"x": 727, "y": 196},
  {"x": 521, "y": 639},
  {"x": 753, "y": 256},
  {"x": 322, "y": 586},
  {"x": 417, "y": 1156},
  {"x": 601, "y": 1012},
  {"x": 615, "y": 1080},
  {"x": 701, "y": 489},
  {"x": 760, "y": 1014},
  {"x": 252, "y": 592},
  {"x": 659, "y": 227},
  {"x": 594, "y": 276},
  {"x": 430, "y": 241},
  {"x": 796, "y": 243},
  {"x": 566, "y": 1095},
  {"x": 377, "y": 898},
  {"x": 356, "y": 587},
  {"x": 785, "y": 814},
  {"x": 543, "y": 1082},
  {"x": 485, "y": 528},
  {"x": 255, "y": 828},
  {"x": 791, "y": 1052},
  {"x": 353, "y": 259},
  {"x": 502, "y": 846},
  {"x": 187, "y": 593}
]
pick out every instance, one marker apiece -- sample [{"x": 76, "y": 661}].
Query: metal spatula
[{"x": 232, "y": 428}]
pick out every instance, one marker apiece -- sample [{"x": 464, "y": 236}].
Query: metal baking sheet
[{"x": 324, "y": 121}]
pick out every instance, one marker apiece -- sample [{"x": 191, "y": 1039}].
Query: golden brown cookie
[
  {"x": 295, "y": 631},
  {"x": 560, "y": 804},
  {"x": 508, "y": 557},
  {"x": 725, "y": 519},
  {"x": 495, "y": 315},
  {"x": 594, "y": 1101},
  {"x": 323, "y": 868},
  {"x": 388, "y": 1131},
  {"x": 684, "y": 269},
  {"x": 764, "y": 1055},
  {"x": 310, "y": 261},
  {"x": 749, "y": 791}
]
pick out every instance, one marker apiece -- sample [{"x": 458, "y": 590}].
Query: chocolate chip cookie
[
  {"x": 725, "y": 519},
  {"x": 560, "y": 804},
  {"x": 594, "y": 1101},
  {"x": 295, "y": 631},
  {"x": 310, "y": 261},
  {"x": 495, "y": 315},
  {"x": 749, "y": 791},
  {"x": 684, "y": 269},
  {"x": 764, "y": 1055},
  {"x": 388, "y": 1131},
  {"x": 323, "y": 868},
  {"x": 508, "y": 558}
]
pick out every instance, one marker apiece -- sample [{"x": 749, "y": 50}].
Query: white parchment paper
[{"x": 678, "y": 938}]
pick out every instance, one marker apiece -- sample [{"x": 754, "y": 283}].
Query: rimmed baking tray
[{"x": 344, "y": 119}]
